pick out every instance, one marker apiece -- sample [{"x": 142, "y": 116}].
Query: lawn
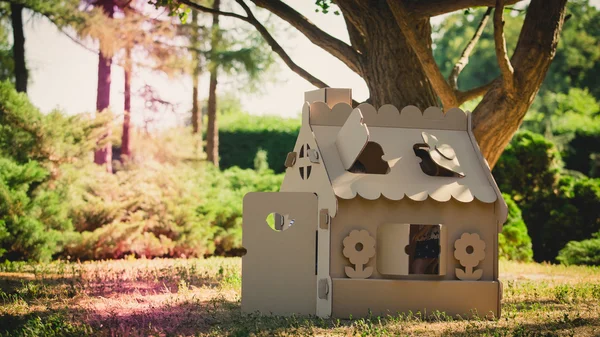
[{"x": 201, "y": 297}]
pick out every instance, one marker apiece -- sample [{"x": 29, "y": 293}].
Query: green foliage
[
  {"x": 585, "y": 252},
  {"x": 33, "y": 215},
  {"x": 54, "y": 325},
  {"x": 26, "y": 134},
  {"x": 6, "y": 56},
  {"x": 22, "y": 234},
  {"x": 514, "y": 241},
  {"x": 453, "y": 34},
  {"x": 168, "y": 204},
  {"x": 223, "y": 204},
  {"x": 577, "y": 61},
  {"x": 561, "y": 213},
  {"x": 242, "y": 135},
  {"x": 260, "y": 161},
  {"x": 572, "y": 120},
  {"x": 557, "y": 208},
  {"x": 529, "y": 164}
]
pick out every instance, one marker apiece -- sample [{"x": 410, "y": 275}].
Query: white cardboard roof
[{"x": 405, "y": 177}]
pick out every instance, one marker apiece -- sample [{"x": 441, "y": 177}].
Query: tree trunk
[
  {"x": 387, "y": 62},
  {"x": 212, "y": 131},
  {"x": 103, "y": 154},
  {"x": 126, "y": 137},
  {"x": 196, "y": 69},
  {"x": 21, "y": 74}
]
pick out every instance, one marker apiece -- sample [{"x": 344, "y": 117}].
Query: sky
[{"x": 63, "y": 74}]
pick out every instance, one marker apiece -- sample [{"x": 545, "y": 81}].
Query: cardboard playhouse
[{"x": 380, "y": 212}]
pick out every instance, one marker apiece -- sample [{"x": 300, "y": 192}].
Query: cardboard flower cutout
[
  {"x": 469, "y": 250},
  {"x": 359, "y": 247}
]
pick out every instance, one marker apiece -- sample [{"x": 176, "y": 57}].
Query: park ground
[{"x": 201, "y": 297}]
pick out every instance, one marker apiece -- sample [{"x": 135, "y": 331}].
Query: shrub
[
  {"x": 144, "y": 210},
  {"x": 569, "y": 213},
  {"x": 26, "y": 134},
  {"x": 30, "y": 223},
  {"x": 586, "y": 252},
  {"x": 223, "y": 205},
  {"x": 514, "y": 241},
  {"x": 557, "y": 207},
  {"x": 529, "y": 165},
  {"x": 34, "y": 221},
  {"x": 241, "y": 136}
]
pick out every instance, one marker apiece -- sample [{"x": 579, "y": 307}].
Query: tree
[
  {"x": 126, "y": 136},
  {"x": 577, "y": 61},
  {"x": 21, "y": 74},
  {"x": 196, "y": 70},
  {"x": 391, "y": 49},
  {"x": 58, "y": 12},
  {"x": 212, "y": 132},
  {"x": 6, "y": 55},
  {"x": 103, "y": 155}
]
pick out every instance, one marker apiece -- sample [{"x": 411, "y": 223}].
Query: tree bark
[
  {"x": 126, "y": 136},
  {"x": 212, "y": 131},
  {"x": 196, "y": 70},
  {"x": 500, "y": 113},
  {"x": 21, "y": 74},
  {"x": 388, "y": 64},
  {"x": 103, "y": 154}
]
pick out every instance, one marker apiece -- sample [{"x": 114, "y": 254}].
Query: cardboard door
[{"x": 279, "y": 268}]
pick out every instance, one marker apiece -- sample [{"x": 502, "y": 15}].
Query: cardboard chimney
[{"x": 380, "y": 212}]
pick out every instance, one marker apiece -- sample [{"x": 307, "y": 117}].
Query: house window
[
  {"x": 369, "y": 161},
  {"x": 424, "y": 249},
  {"x": 411, "y": 249}
]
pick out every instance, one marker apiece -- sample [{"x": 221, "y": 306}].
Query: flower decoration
[
  {"x": 469, "y": 250},
  {"x": 359, "y": 247}
]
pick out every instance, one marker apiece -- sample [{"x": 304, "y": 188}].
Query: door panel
[{"x": 278, "y": 270}]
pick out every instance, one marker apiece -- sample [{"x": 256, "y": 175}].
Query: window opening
[
  {"x": 369, "y": 161},
  {"x": 428, "y": 165},
  {"x": 278, "y": 222},
  {"x": 424, "y": 249}
]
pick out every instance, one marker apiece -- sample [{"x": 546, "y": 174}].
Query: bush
[
  {"x": 30, "y": 223},
  {"x": 241, "y": 136},
  {"x": 146, "y": 210},
  {"x": 514, "y": 241},
  {"x": 569, "y": 213},
  {"x": 586, "y": 252},
  {"x": 557, "y": 207},
  {"x": 26, "y": 134},
  {"x": 223, "y": 205},
  {"x": 156, "y": 209},
  {"x": 34, "y": 222},
  {"x": 572, "y": 120},
  {"x": 530, "y": 164}
]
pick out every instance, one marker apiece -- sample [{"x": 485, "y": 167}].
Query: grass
[{"x": 197, "y": 297}]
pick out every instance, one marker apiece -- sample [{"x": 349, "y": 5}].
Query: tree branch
[
  {"x": 275, "y": 46},
  {"x": 424, "y": 54},
  {"x": 506, "y": 69},
  {"x": 464, "y": 96},
  {"x": 464, "y": 57},
  {"x": 335, "y": 47},
  {"x": 425, "y": 9},
  {"x": 212, "y": 10}
]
